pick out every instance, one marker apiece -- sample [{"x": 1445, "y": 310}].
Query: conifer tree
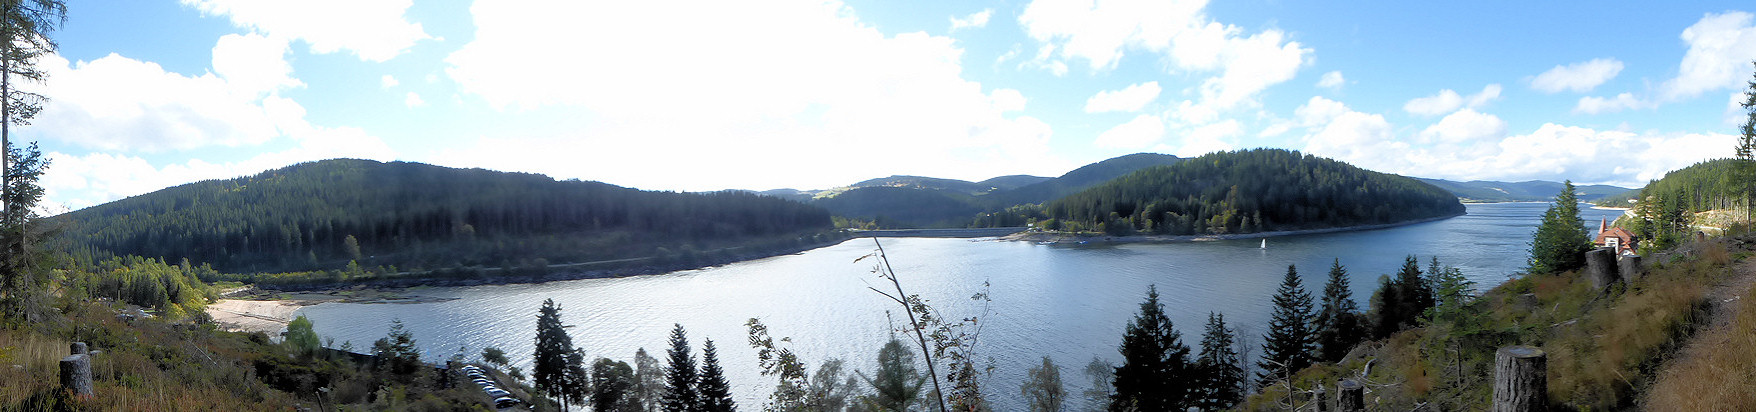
[
  {"x": 1287, "y": 347},
  {"x": 896, "y": 385},
  {"x": 553, "y": 346},
  {"x": 1745, "y": 169},
  {"x": 716, "y": 393},
  {"x": 681, "y": 394},
  {"x": 1155, "y": 373},
  {"x": 1222, "y": 381},
  {"x": 1560, "y": 242},
  {"x": 1338, "y": 320}
]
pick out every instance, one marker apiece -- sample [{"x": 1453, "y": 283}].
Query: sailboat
[{"x": 1265, "y": 243}]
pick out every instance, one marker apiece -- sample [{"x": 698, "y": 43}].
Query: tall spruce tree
[
  {"x": 716, "y": 393},
  {"x": 1222, "y": 381},
  {"x": 549, "y": 362},
  {"x": 1287, "y": 347},
  {"x": 1400, "y": 301},
  {"x": 1560, "y": 242},
  {"x": 681, "y": 394},
  {"x": 1155, "y": 372},
  {"x": 1744, "y": 171},
  {"x": 1338, "y": 320},
  {"x": 896, "y": 385}
]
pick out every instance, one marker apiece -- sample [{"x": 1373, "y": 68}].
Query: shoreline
[{"x": 1060, "y": 237}]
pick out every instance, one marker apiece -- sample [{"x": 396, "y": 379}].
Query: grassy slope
[
  {"x": 1604, "y": 350},
  {"x": 153, "y": 365}
]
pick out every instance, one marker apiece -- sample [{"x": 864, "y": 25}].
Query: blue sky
[{"x": 679, "y": 95}]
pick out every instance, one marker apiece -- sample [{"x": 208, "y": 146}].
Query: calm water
[{"x": 1066, "y": 302}]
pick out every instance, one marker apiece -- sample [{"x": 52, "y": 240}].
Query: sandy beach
[{"x": 267, "y": 316}]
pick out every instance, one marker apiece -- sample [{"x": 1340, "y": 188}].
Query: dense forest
[
  {"x": 1528, "y": 191},
  {"x": 322, "y": 215},
  {"x": 1249, "y": 191},
  {"x": 914, "y": 201}
]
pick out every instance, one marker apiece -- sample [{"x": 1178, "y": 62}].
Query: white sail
[{"x": 1264, "y": 243}]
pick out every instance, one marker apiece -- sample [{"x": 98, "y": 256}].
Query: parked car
[{"x": 506, "y": 402}]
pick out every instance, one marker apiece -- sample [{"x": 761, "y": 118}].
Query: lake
[{"x": 1066, "y": 302}]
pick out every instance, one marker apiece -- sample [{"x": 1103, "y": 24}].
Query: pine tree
[
  {"x": 1222, "y": 382},
  {"x": 716, "y": 394},
  {"x": 681, "y": 394},
  {"x": 1287, "y": 347},
  {"x": 1338, "y": 321},
  {"x": 553, "y": 346},
  {"x": 1155, "y": 373},
  {"x": 1560, "y": 242},
  {"x": 1745, "y": 170},
  {"x": 896, "y": 385}
]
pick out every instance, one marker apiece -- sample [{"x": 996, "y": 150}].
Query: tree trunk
[
  {"x": 1322, "y": 399},
  {"x": 1350, "y": 396},
  {"x": 1600, "y": 267},
  {"x": 76, "y": 374},
  {"x": 1520, "y": 379}
]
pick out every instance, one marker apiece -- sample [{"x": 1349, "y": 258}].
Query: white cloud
[
  {"x": 1331, "y": 80},
  {"x": 1578, "y": 77},
  {"x": 1468, "y": 145},
  {"x": 1624, "y": 101},
  {"x": 117, "y": 103},
  {"x": 1101, "y": 33},
  {"x": 373, "y": 30},
  {"x": 1139, "y": 133},
  {"x": 388, "y": 82},
  {"x": 788, "y": 80},
  {"x": 1209, "y": 138},
  {"x": 413, "y": 100},
  {"x": 1447, "y": 101},
  {"x": 1129, "y": 99},
  {"x": 253, "y": 64},
  {"x": 1721, "y": 47},
  {"x": 973, "y": 21},
  {"x": 1464, "y": 126}
]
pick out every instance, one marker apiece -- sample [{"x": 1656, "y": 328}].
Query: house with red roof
[{"x": 1616, "y": 238}]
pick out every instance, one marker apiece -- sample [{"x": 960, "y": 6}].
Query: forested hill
[
  {"x": 321, "y": 215},
  {"x": 1530, "y": 191},
  {"x": 1250, "y": 191},
  {"x": 1700, "y": 187}
]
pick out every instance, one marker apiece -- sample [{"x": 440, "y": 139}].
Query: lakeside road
[{"x": 1057, "y": 237}]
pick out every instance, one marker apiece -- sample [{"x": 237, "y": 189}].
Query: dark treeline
[
  {"x": 1161, "y": 373},
  {"x": 1249, "y": 191},
  {"x": 1665, "y": 210},
  {"x": 325, "y": 214},
  {"x": 914, "y": 201}
]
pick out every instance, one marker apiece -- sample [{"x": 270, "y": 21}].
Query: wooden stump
[
  {"x": 1629, "y": 268},
  {"x": 1520, "y": 379},
  {"x": 1322, "y": 399},
  {"x": 76, "y": 374},
  {"x": 77, "y": 348},
  {"x": 1350, "y": 396},
  {"x": 1600, "y": 267}
]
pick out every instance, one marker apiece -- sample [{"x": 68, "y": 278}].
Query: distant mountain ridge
[
  {"x": 918, "y": 201},
  {"x": 1527, "y": 191}
]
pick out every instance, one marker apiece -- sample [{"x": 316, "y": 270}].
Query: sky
[{"x": 709, "y": 95}]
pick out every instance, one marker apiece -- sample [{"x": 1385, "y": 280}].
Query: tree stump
[
  {"x": 77, "y": 348},
  {"x": 1629, "y": 268},
  {"x": 1322, "y": 399},
  {"x": 1600, "y": 267},
  {"x": 1521, "y": 379},
  {"x": 76, "y": 374},
  {"x": 1351, "y": 396}
]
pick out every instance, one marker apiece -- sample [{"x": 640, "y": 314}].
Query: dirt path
[{"x": 1724, "y": 296}]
